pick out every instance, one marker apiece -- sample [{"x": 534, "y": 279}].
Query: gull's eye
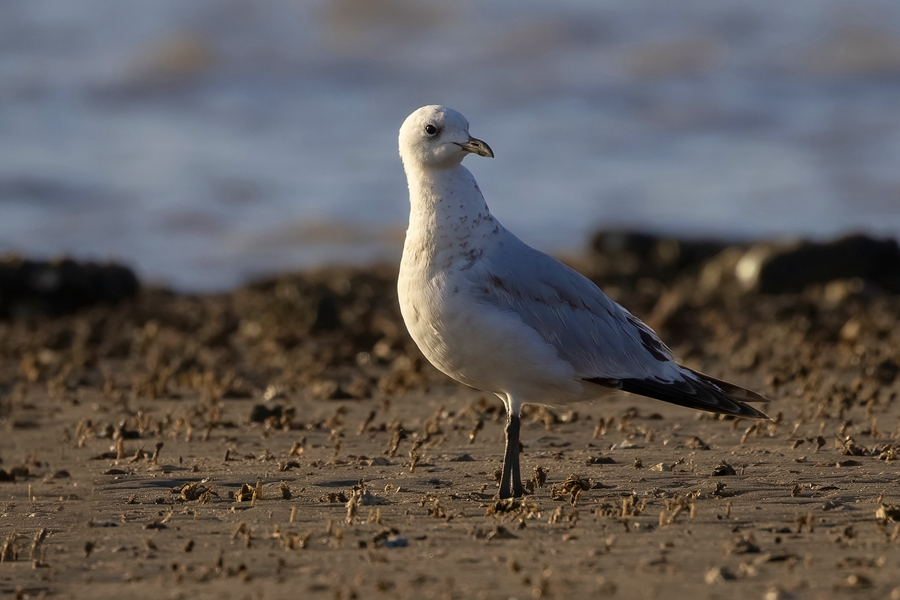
[{"x": 430, "y": 129}]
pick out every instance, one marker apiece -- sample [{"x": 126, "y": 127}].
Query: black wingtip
[
  {"x": 735, "y": 391},
  {"x": 695, "y": 391}
]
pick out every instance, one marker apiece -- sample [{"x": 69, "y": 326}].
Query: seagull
[{"x": 495, "y": 314}]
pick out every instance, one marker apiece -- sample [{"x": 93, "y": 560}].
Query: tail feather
[{"x": 696, "y": 391}]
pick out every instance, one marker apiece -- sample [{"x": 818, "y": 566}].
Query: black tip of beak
[{"x": 476, "y": 146}]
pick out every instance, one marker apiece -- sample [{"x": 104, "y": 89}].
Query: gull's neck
[{"x": 448, "y": 215}]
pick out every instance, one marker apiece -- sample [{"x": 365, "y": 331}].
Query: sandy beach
[{"x": 287, "y": 439}]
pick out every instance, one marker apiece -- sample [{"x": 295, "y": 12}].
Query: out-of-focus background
[{"x": 211, "y": 141}]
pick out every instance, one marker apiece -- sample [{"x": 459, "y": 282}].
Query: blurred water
[{"x": 207, "y": 142}]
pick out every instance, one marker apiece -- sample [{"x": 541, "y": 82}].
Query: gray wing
[
  {"x": 605, "y": 343},
  {"x": 599, "y": 338}
]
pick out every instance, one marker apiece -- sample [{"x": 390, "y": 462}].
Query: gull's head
[{"x": 437, "y": 137}]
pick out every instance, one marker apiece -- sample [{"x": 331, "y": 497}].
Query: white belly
[{"x": 480, "y": 345}]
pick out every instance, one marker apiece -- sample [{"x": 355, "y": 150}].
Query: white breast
[{"x": 475, "y": 343}]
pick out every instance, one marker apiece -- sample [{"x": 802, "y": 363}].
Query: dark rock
[
  {"x": 886, "y": 371},
  {"x": 462, "y": 458},
  {"x": 635, "y": 254},
  {"x": 261, "y": 412},
  {"x": 58, "y": 287},
  {"x": 20, "y": 471},
  {"x": 328, "y": 317},
  {"x": 724, "y": 470},
  {"x": 789, "y": 268}
]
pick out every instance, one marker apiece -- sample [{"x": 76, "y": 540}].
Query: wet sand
[{"x": 368, "y": 474}]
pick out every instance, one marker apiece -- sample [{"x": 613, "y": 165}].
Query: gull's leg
[
  {"x": 518, "y": 488},
  {"x": 511, "y": 481}
]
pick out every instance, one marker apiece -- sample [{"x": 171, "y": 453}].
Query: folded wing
[{"x": 605, "y": 344}]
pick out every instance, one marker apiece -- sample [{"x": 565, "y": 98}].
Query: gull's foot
[{"x": 512, "y": 491}]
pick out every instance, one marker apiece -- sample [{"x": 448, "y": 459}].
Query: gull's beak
[{"x": 478, "y": 147}]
